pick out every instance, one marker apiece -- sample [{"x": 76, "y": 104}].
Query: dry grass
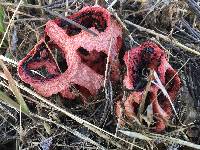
[{"x": 36, "y": 122}]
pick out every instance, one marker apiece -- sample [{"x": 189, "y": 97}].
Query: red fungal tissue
[
  {"x": 81, "y": 57},
  {"x": 139, "y": 61},
  {"x": 68, "y": 57}
]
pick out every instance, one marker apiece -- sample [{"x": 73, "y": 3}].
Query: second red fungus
[{"x": 139, "y": 61}]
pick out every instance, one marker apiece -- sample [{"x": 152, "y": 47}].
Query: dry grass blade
[
  {"x": 9, "y": 101},
  {"x": 50, "y": 51},
  {"x": 141, "y": 107},
  {"x": 8, "y": 60},
  {"x": 108, "y": 87},
  {"x": 149, "y": 116},
  {"x": 14, "y": 88},
  {"x": 154, "y": 137},
  {"x": 166, "y": 38},
  {"x": 136, "y": 135},
  {"x": 2, "y": 28},
  {"x": 167, "y": 139},
  {"x": 70, "y": 21},
  {"x": 47, "y": 127},
  {"x": 164, "y": 91}
]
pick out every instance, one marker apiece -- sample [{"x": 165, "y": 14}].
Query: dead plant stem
[{"x": 166, "y": 38}]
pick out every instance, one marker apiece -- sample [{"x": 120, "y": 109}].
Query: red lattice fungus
[
  {"x": 81, "y": 56},
  {"x": 139, "y": 61}
]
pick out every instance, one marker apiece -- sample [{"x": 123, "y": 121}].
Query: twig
[{"x": 166, "y": 38}]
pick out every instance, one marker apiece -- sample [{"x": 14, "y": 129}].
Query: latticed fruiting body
[
  {"x": 139, "y": 61},
  {"x": 84, "y": 54}
]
